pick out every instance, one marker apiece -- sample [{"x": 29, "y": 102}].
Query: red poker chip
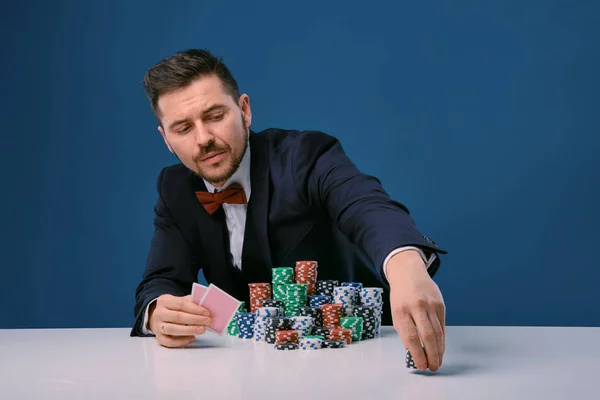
[
  {"x": 259, "y": 291},
  {"x": 286, "y": 336},
  {"x": 341, "y": 334},
  {"x": 306, "y": 273},
  {"x": 332, "y": 314}
]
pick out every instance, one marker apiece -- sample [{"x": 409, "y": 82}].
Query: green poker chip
[
  {"x": 297, "y": 287},
  {"x": 279, "y": 292},
  {"x": 355, "y": 324},
  {"x": 283, "y": 275},
  {"x": 232, "y": 328}
]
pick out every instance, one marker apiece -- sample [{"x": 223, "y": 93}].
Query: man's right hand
[{"x": 176, "y": 320}]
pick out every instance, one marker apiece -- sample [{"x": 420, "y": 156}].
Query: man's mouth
[{"x": 211, "y": 155}]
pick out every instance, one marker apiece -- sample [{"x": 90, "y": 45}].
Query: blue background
[{"x": 482, "y": 117}]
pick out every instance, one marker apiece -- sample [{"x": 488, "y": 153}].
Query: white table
[{"x": 480, "y": 363}]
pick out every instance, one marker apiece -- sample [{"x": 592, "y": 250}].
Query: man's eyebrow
[
  {"x": 213, "y": 108},
  {"x": 178, "y": 122},
  {"x": 205, "y": 112}
]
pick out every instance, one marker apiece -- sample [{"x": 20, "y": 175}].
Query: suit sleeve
[
  {"x": 357, "y": 203},
  {"x": 171, "y": 266}
]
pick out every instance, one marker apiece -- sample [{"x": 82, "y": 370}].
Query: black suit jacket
[{"x": 308, "y": 202}]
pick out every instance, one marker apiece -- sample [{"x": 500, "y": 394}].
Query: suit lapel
[
  {"x": 212, "y": 230},
  {"x": 259, "y": 199}
]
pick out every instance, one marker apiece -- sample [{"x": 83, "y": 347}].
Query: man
[{"x": 242, "y": 202}]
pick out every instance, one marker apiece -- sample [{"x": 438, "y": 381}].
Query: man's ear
[
  {"x": 244, "y": 104},
  {"x": 162, "y": 132}
]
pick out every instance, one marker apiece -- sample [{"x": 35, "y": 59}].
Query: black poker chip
[
  {"x": 272, "y": 303},
  {"x": 333, "y": 344},
  {"x": 410, "y": 363},
  {"x": 321, "y": 331},
  {"x": 282, "y": 323},
  {"x": 286, "y": 346}
]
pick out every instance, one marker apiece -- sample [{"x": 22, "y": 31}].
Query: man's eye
[
  {"x": 216, "y": 117},
  {"x": 183, "y": 130}
]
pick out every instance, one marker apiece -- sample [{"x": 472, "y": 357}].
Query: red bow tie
[{"x": 233, "y": 194}]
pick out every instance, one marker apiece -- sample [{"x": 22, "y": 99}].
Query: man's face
[{"x": 205, "y": 128}]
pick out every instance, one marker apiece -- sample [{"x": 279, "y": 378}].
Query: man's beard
[{"x": 234, "y": 162}]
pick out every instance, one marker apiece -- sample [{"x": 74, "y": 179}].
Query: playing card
[
  {"x": 222, "y": 307},
  {"x": 198, "y": 292}
]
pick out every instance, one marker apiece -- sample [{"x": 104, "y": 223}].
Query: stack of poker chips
[
  {"x": 281, "y": 277},
  {"x": 322, "y": 337},
  {"x": 367, "y": 314},
  {"x": 303, "y": 325},
  {"x": 319, "y": 300},
  {"x": 306, "y": 273},
  {"x": 355, "y": 324},
  {"x": 332, "y": 313},
  {"x": 333, "y": 344},
  {"x": 335, "y": 313},
  {"x": 345, "y": 296},
  {"x": 322, "y": 332},
  {"x": 275, "y": 324},
  {"x": 286, "y": 346},
  {"x": 311, "y": 343},
  {"x": 357, "y": 289},
  {"x": 279, "y": 292},
  {"x": 262, "y": 318},
  {"x": 341, "y": 334},
  {"x": 295, "y": 298},
  {"x": 373, "y": 297},
  {"x": 232, "y": 328},
  {"x": 325, "y": 288},
  {"x": 275, "y": 303},
  {"x": 245, "y": 322},
  {"x": 287, "y": 336},
  {"x": 316, "y": 313},
  {"x": 259, "y": 292}
]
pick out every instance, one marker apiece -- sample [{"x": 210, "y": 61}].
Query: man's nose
[{"x": 203, "y": 136}]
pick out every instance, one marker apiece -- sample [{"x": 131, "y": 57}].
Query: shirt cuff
[
  {"x": 427, "y": 262},
  {"x": 145, "y": 328}
]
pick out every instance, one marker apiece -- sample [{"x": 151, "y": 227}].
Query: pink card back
[
  {"x": 198, "y": 292},
  {"x": 222, "y": 307}
]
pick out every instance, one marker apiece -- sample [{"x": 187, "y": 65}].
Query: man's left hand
[{"x": 418, "y": 309}]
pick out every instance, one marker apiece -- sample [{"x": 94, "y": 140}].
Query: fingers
[
  {"x": 421, "y": 326},
  {"x": 407, "y": 330},
  {"x": 171, "y": 329},
  {"x": 441, "y": 317},
  {"x": 174, "y": 335},
  {"x": 175, "y": 321},
  {"x": 183, "y": 318},
  {"x": 186, "y": 305},
  {"x": 439, "y": 336},
  {"x": 175, "y": 341},
  {"x": 428, "y": 338}
]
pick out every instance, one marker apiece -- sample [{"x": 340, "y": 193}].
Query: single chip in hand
[{"x": 410, "y": 363}]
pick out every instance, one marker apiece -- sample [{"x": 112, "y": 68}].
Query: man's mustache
[{"x": 208, "y": 150}]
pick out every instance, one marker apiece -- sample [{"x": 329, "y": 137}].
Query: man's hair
[{"x": 181, "y": 69}]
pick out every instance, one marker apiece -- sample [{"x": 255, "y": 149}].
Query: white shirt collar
[{"x": 241, "y": 176}]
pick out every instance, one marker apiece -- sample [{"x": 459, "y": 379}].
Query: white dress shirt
[{"x": 235, "y": 216}]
